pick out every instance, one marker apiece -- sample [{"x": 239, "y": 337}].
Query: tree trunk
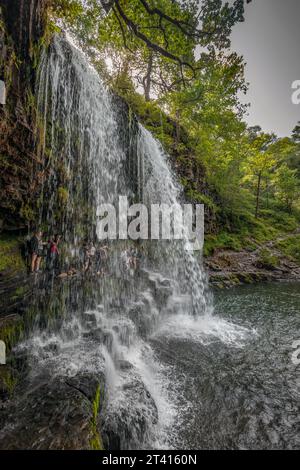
[
  {"x": 107, "y": 5},
  {"x": 147, "y": 78},
  {"x": 257, "y": 195},
  {"x": 177, "y": 126}
]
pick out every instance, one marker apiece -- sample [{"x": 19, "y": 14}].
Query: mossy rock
[
  {"x": 96, "y": 440},
  {"x": 11, "y": 330},
  {"x": 73, "y": 416},
  {"x": 10, "y": 254},
  {"x": 8, "y": 382},
  {"x": 246, "y": 277}
]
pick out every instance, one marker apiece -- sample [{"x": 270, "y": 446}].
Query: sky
[{"x": 269, "y": 40}]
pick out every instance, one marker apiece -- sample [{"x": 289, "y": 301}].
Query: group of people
[
  {"x": 38, "y": 249},
  {"x": 93, "y": 257},
  {"x": 130, "y": 259}
]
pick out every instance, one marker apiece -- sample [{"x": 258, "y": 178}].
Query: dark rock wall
[{"x": 22, "y": 25}]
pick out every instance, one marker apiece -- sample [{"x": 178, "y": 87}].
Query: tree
[
  {"x": 216, "y": 19},
  {"x": 157, "y": 37},
  {"x": 287, "y": 186},
  {"x": 208, "y": 109},
  {"x": 260, "y": 162},
  {"x": 296, "y": 133},
  {"x": 148, "y": 46}
]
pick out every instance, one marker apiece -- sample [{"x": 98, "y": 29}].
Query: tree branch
[
  {"x": 156, "y": 11},
  {"x": 122, "y": 30},
  {"x": 155, "y": 47}
]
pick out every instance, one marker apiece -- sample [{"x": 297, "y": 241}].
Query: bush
[
  {"x": 290, "y": 247},
  {"x": 10, "y": 253},
  {"x": 267, "y": 260}
]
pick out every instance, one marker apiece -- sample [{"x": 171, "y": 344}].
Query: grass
[
  {"x": 96, "y": 441},
  {"x": 8, "y": 379},
  {"x": 221, "y": 241},
  {"x": 250, "y": 233},
  {"x": 11, "y": 332},
  {"x": 267, "y": 260},
  {"x": 290, "y": 247},
  {"x": 10, "y": 253}
]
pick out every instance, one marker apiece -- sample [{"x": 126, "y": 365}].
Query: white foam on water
[
  {"x": 156, "y": 378},
  {"x": 205, "y": 330},
  {"x": 146, "y": 369}
]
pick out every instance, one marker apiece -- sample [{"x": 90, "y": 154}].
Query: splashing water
[{"x": 96, "y": 154}]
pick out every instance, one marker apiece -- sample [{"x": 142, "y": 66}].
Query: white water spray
[{"x": 92, "y": 161}]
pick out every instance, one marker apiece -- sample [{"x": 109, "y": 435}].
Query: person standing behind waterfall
[
  {"x": 101, "y": 259},
  {"x": 125, "y": 262},
  {"x": 53, "y": 253},
  {"x": 89, "y": 251},
  {"x": 92, "y": 255},
  {"x": 36, "y": 251}
]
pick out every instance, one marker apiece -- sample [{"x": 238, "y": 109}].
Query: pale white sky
[{"x": 269, "y": 40}]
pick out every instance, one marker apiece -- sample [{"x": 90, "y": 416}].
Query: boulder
[
  {"x": 54, "y": 414},
  {"x": 129, "y": 423}
]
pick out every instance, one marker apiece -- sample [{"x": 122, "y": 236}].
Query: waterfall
[
  {"x": 95, "y": 151},
  {"x": 87, "y": 163},
  {"x": 176, "y": 259},
  {"x": 83, "y": 155}
]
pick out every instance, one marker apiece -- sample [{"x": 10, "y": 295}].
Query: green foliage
[
  {"x": 287, "y": 185},
  {"x": 290, "y": 247},
  {"x": 8, "y": 379},
  {"x": 96, "y": 441},
  {"x": 63, "y": 195},
  {"x": 27, "y": 212},
  {"x": 11, "y": 332},
  {"x": 267, "y": 260},
  {"x": 10, "y": 255}
]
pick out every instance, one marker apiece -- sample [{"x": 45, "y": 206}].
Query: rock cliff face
[{"x": 22, "y": 25}]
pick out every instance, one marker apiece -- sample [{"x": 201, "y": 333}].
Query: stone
[
  {"x": 100, "y": 336},
  {"x": 130, "y": 426},
  {"x": 55, "y": 414},
  {"x": 124, "y": 365},
  {"x": 89, "y": 318}
]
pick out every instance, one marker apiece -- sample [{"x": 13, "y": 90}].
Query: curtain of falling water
[
  {"x": 80, "y": 143},
  {"x": 89, "y": 162}
]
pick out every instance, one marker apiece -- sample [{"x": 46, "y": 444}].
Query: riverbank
[{"x": 275, "y": 260}]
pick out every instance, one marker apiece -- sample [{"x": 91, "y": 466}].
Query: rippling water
[{"x": 232, "y": 377}]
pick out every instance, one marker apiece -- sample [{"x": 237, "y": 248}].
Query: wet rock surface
[
  {"x": 129, "y": 426},
  {"x": 24, "y": 25},
  {"x": 43, "y": 410},
  {"x": 55, "y": 413}
]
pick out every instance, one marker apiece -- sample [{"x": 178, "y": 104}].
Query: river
[{"x": 233, "y": 377}]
